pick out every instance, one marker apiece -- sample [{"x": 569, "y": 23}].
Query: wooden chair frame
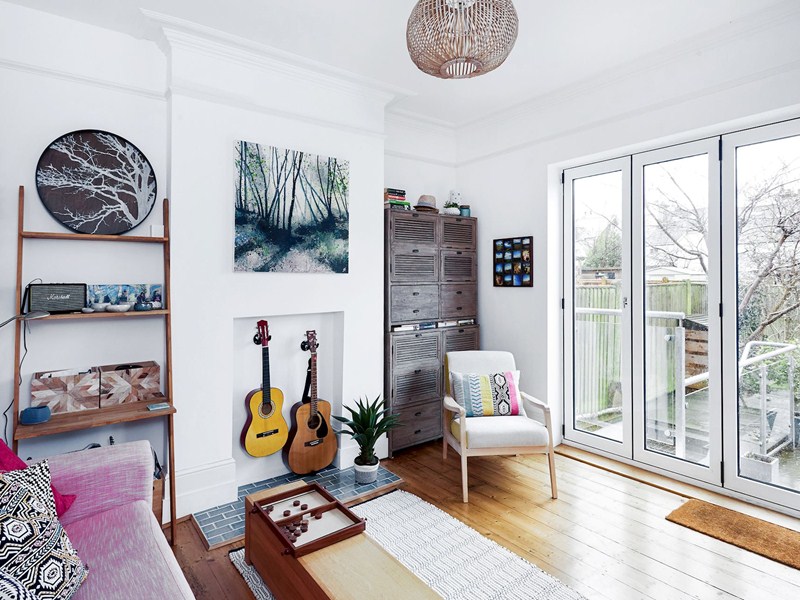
[{"x": 451, "y": 409}]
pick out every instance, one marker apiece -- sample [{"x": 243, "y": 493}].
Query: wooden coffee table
[{"x": 352, "y": 569}]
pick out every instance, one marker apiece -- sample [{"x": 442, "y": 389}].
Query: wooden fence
[{"x": 598, "y": 337}]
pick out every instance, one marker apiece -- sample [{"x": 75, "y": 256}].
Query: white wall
[
  {"x": 219, "y": 95},
  {"x": 420, "y": 157},
  {"x": 184, "y": 105},
  {"x": 510, "y": 165},
  {"x": 98, "y": 80}
]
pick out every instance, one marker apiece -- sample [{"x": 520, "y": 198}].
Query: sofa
[{"x": 112, "y": 526}]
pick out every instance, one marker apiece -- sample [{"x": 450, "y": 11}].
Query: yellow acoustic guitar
[
  {"x": 266, "y": 430},
  {"x": 313, "y": 443}
]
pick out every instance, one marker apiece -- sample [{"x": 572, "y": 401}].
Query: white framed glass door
[
  {"x": 677, "y": 375},
  {"x": 761, "y": 320},
  {"x": 597, "y": 295}
]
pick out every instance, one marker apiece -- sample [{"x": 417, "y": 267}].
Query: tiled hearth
[{"x": 225, "y": 523}]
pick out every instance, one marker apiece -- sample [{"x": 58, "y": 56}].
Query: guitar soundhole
[
  {"x": 313, "y": 422},
  {"x": 265, "y": 411}
]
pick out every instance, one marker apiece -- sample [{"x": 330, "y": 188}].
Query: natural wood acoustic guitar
[
  {"x": 312, "y": 442},
  {"x": 266, "y": 430}
]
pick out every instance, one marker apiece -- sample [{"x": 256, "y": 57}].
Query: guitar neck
[
  {"x": 313, "y": 384},
  {"x": 265, "y": 383}
]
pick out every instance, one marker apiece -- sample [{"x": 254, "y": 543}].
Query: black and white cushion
[
  {"x": 37, "y": 479},
  {"x": 12, "y": 589},
  {"x": 34, "y": 548}
]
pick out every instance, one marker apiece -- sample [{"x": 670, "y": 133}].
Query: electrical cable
[
  {"x": 21, "y": 360},
  {"x": 25, "y": 326}
]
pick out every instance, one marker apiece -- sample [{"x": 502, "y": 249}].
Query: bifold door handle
[
  {"x": 418, "y": 413},
  {"x": 418, "y": 431},
  {"x": 415, "y": 251},
  {"x": 415, "y": 294}
]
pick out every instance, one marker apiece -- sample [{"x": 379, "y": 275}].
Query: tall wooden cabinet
[{"x": 431, "y": 278}]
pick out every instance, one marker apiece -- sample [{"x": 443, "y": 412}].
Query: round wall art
[{"x": 96, "y": 182}]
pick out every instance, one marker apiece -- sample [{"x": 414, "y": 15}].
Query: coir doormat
[{"x": 767, "y": 539}]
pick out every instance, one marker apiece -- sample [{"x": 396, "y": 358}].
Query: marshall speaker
[{"x": 56, "y": 297}]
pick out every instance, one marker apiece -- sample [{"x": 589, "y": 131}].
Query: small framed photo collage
[{"x": 513, "y": 262}]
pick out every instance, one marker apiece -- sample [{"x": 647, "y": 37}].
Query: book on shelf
[
  {"x": 394, "y": 191},
  {"x": 447, "y": 323},
  {"x": 394, "y": 198},
  {"x": 428, "y": 325},
  {"x": 466, "y": 322}
]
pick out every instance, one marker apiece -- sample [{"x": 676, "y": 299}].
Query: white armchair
[{"x": 528, "y": 433}]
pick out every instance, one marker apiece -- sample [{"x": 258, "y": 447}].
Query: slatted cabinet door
[
  {"x": 417, "y": 363},
  {"x": 458, "y": 265},
  {"x": 458, "y": 232},
  {"x": 413, "y": 229},
  {"x": 413, "y": 254},
  {"x": 462, "y": 338}
]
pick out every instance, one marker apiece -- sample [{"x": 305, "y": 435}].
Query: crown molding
[
  {"x": 423, "y": 159},
  {"x": 419, "y": 121},
  {"x": 212, "y": 42},
  {"x": 97, "y": 82},
  {"x": 216, "y": 96},
  {"x": 638, "y": 111},
  {"x": 722, "y": 35}
]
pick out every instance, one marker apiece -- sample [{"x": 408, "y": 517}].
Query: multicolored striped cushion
[{"x": 495, "y": 394}]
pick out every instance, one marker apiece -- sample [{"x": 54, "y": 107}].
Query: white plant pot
[
  {"x": 366, "y": 473},
  {"x": 759, "y": 469},
  {"x": 451, "y": 211}
]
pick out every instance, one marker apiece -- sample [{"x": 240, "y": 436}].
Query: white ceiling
[{"x": 561, "y": 42}]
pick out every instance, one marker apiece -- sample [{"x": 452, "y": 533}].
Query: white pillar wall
[{"x": 218, "y": 95}]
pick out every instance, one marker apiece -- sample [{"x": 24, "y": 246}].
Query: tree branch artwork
[{"x": 96, "y": 182}]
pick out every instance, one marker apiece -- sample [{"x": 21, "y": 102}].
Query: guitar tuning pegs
[
  {"x": 257, "y": 339},
  {"x": 304, "y": 346}
]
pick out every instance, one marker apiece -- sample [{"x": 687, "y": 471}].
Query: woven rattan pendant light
[{"x": 456, "y": 39}]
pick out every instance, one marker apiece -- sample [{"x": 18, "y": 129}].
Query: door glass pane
[
  {"x": 768, "y": 285},
  {"x": 676, "y": 409},
  {"x": 598, "y": 280}
]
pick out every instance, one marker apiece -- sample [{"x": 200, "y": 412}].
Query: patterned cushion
[
  {"x": 12, "y": 589},
  {"x": 34, "y": 548},
  {"x": 11, "y": 462},
  {"x": 37, "y": 479},
  {"x": 495, "y": 394}
]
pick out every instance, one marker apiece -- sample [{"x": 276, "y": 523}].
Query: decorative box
[
  {"x": 66, "y": 390},
  {"x": 129, "y": 382}
]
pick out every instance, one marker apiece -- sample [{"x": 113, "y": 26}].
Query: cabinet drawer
[
  {"x": 458, "y": 265},
  {"x": 458, "y": 301},
  {"x": 416, "y": 385},
  {"x": 414, "y": 351},
  {"x": 414, "y": 303},
  {"x": 418, "y": 424},
  {"x": 413, "y": 264},
  {"x": 458, "y": 232},
  {"x": 461, "y": 338},
  {"x": 413, "y": 228}
]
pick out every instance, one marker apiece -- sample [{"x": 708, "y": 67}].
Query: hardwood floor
[{"x": 606, "y": 535}]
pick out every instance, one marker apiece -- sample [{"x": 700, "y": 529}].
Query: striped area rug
[{"x": 452, "y": 558}]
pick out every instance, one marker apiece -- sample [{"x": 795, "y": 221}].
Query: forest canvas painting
[{"x": 292, "y": 210}]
